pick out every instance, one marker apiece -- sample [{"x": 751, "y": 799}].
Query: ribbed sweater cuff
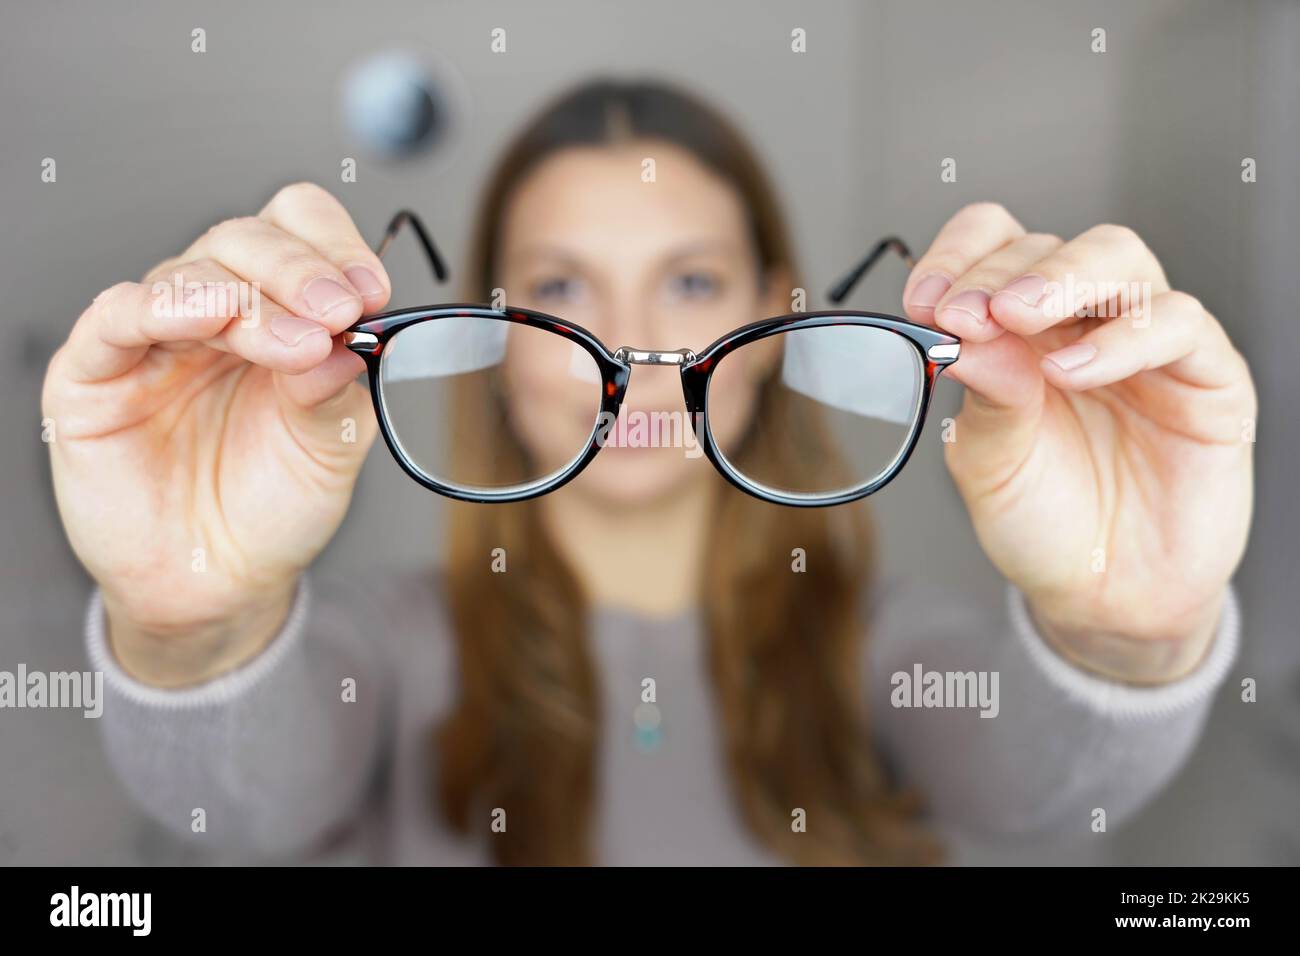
[
  {"x": 212, "y": 693},
  {"x": 1124, "y": 701}
]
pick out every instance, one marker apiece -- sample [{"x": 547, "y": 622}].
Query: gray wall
[{"x": 154, "y": 143}]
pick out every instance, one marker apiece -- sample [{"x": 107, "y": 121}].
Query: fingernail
[
  {"x": 1028, "y": 289},
  {"x": 364, "y": 281},
  {"x": 1072, "y": 356},
  {"x": 323, "y": 295},
  {"x": 970, "y": 310},
  {"x": 291, "y": 330},
  {"x": 928, "y": 292}
]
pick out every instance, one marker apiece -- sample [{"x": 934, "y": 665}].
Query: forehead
[{"x": 596, "y": 200}]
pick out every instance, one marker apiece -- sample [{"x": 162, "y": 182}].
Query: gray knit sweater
[{"x": 285, "y": 764}]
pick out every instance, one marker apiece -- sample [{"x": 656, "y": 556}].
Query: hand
[
  {"x": 199, "y": 453},
  {"x": 1105, "y": 459}
]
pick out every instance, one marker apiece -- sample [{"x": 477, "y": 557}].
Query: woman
[{"x": 652, "y": 678}]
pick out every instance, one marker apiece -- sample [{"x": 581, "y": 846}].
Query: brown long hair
[{"x": 785, "y": 649}]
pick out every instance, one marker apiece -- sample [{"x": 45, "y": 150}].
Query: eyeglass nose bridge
[{"x": 630, "y": 356}]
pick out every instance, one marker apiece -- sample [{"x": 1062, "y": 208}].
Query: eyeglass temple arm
[
  {"x": 395, "y": 226},
  {"x": 841, "y": 289}
]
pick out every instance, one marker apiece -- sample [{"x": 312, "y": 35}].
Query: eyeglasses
[{"x": 503, "y": 404}]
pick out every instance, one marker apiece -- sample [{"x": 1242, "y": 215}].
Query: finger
[
  {"x": 203, "y": 305},
  {"x": 284, "y": 267},
  {"x": 259, "y": 330},
  {"x": 106, "y": 340},
  {"x": 964, "y": 308},
  {"x": 1107, "y": 271},
  {"x": 1178, "y": 336},
  {"x": 328, "y": 409},
  {"x": 326, "y": 380},
  {"x": 969, "y": 236},
  {"x": 1002, "y": 375},
  {"x": 309, "y": 212},
  {"x": 1000, "y": 414}
]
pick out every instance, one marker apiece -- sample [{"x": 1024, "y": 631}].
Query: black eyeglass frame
[{"x": 370, "y": 336}]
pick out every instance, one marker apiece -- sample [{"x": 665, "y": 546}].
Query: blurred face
[{"x": 661, "y": 265}]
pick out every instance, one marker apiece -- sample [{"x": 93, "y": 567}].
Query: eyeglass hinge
[{"x": 361, "y": 341}]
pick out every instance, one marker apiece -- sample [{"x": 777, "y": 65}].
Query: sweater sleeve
[
  {"x": 1027, "y": 744},
  {"x": 267, "y": 759}
]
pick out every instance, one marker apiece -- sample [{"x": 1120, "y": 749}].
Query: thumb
[
  {"x": 328, "y": 411},
  {"x": 1000, "y": 414}
]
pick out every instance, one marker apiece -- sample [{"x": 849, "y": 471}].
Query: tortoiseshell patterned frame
[{"x": 370, "y": 336}]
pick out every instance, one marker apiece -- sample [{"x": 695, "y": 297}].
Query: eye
[
  {"x": 557, "y": 289},
  {"x": 695, "y": 285}
]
